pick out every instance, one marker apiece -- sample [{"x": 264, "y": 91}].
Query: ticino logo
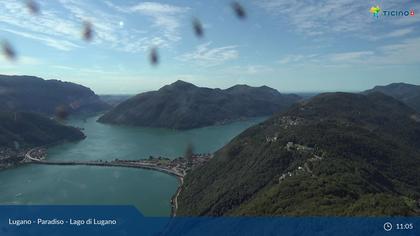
[{"x": 376, "y": 11}]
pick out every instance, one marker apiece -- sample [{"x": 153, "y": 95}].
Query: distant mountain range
[
  {"x": 407, "y": 93},
  {"x": 27, "y": 130},
  {"x": 26, "y": 105},
  {"x": 33, "y": 94},
  {"x": 182, "y": 105},
  {"x": 335, "y": 154},
  {"x": 114, "y": 100},
  {"x": 331, "y": 154}
]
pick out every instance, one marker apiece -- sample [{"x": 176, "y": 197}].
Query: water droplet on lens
[
  {"x": 61, "y": 113},
  {"x": 87, "y": 31},
  {"x": 154, "y": 57},
  {"x": 32, "y": 6},
  {"x": 198, "y": 28},
  {"x": 8, "y": 50},
  {"x": 239, "y": 10}
]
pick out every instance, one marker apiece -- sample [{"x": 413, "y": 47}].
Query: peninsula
[
  {"x": 182, "y": 105},
  {"x": 21, "y": 131}
]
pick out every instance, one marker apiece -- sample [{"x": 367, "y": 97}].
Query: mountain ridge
[
  {"x": 407, "y": 93},
  {"x": 32, "y": 129},
  {"x": 182, "y": 105},
  {"x": 34, "y": 94},
  {"x": 21, "y": 131},
  {"x": 337, "y": 154}
]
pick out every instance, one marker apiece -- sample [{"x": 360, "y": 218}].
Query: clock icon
[{"x": 387, "y": 226}]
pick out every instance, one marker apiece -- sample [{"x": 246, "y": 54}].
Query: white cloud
[
  {"x": 349, "y": 57},
  {"x": 296, "y": 58},
  {"x": 26, "y": 60},
  {"x": 404, "y": 21},
  {"x": 249, "y": 70},
  {"x": 332, "y": 16},
  {"x": 61, "y": 26},
  {"x": 315, "y": 18},
  {"x": 403, "y": 53},
  {"x": 206, "y": 56},
  {"x": 104, "y": 25},
  {"x": 61, "y": 67},
  {"x": 107, "y": 29},
  {"x": 393, "y": 34},
  {"x": 165, "y": 16},
  {"x": 21, "y": 61},
  {"x": 256, "y": 69},
  {"x": 60, "y": 44},
  {"x": 400, "y": 32},
  {"x": 154, "y": 8},
  {"x": 48, "y": 28}
]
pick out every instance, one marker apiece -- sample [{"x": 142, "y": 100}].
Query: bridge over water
[
  {"x": 175, "y": 167},
  {"x": 116, "y": 163}
]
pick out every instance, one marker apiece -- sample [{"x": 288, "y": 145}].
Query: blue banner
[{"x": 127, "y": 220}]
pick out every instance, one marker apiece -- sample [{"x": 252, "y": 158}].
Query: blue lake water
[{"x": 149, "y": 191}]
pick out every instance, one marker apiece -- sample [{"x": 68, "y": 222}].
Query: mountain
[
  {"x": 407, "y": 93},
  {"x": 33, "y": 94},
  {"x": 335, "y": 154},
  {"x": 114, "y": 100},
  {"x": 30, "y": 130},
  {"x": 182, "y": 105}
]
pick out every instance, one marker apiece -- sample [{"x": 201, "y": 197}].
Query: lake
[{"x": 149, "y": 191}]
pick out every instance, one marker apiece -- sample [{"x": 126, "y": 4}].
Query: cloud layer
[
  {"x": 61, "y": 26},
  {"x": 207, "y": 56}
]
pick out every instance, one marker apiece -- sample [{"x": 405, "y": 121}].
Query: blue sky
[{"x": 302, "y": 45}]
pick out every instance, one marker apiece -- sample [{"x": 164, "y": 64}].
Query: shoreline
[
  {"x": 174, "y": 199},
  {"x": 175, "y": 167}
]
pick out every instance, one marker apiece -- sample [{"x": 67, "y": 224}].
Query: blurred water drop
[
  {"x": 61, "y": 113},
  {"x": 8, "y": 50},
  {"x": 87, "y": 31},
  {"x": 16, "y": 144},
  {"x": 154, "y": 56},
  {"x": 189, "y": 153},
  {"x": 75, "y": 105},
  {"x": 198, "y": 28},
  {"x": 32, "y": 6},
  {"x": 239, "y": 10}
]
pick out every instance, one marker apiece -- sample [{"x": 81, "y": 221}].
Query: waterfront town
[
  {"x": 178, "y": 167},
  {"x": 10, "y": 157}
]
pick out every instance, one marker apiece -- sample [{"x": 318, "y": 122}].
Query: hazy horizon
[
  {"x": 154, "y": 89},
  {"x": 295, "y": 47}
]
